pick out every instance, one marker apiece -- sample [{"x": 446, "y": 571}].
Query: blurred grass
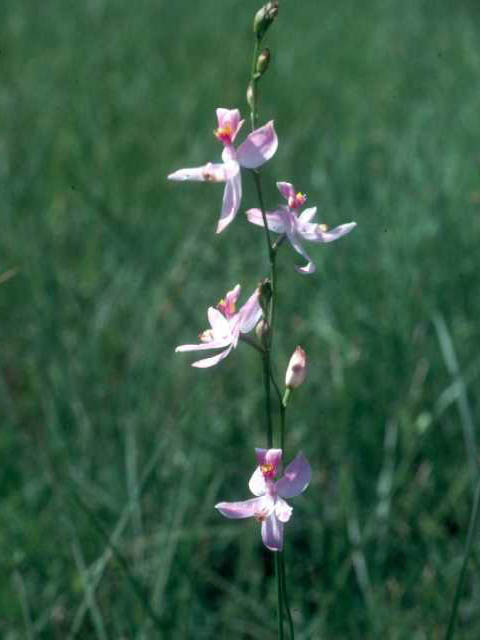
[{"x": 377, "y": 107}]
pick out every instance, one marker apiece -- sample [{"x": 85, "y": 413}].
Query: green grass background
[{"x": 376, "y": 104}]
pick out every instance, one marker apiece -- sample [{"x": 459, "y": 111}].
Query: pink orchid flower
[
  {"x": 226, "y": 327},
  {"x": 286, "y": 220},
  {"x": 269, "y": 507},
  {"x": 259, "y": 146}
]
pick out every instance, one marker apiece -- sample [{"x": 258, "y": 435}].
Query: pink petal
[
  {"x": 256, "y": 483},
  {"x": 295, "y": 479},
  {"x": 231, "y": 118},
  {"x": 204, "y": 346},
  {"x": 283, "y": 510},
  {"x": 211, "y": 362},
  {"x": 286, "y": 189},
  {"x": 219, "y": 324},
  {"x": 313, "y": 232},
  {"x": 309, "y": 267},
  {"x": 272, "y": 533},
  {"x": 308, "y": 214},
  {"x": 243, "y": 509},
  {"x": 273, "y": 457},
  {"x": 259, "y": 147},
  {"x": 250, "y": 314},
  {"x": 275, "y": 219},
  {"x": 207, "y": 173},
  {"x": 232, "y": 296},
  {"x": 231, "y": 201},
  {"x": 261, "y": 455},
  {"x": 268, "y": 456}
]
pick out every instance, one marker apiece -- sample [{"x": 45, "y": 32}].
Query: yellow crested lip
[
  {"x": 267, "y": 470},
  {"x": 226, "y": 307},
  {"x": 224, "y": 133}
]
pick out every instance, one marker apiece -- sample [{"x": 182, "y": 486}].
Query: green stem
[
  {"x": 267, "y": 367},
  {"x": 258, "y": 186},
  {"x": 472, "y": 528},
  {"x": 278, "y": 574},
  {"x": 268, "y": 407},
  {"x": 283, "y": 411},
  {"x": 252, "y": 342},
  {"x": 285, "y": 597},
  {"x": 253, "y": 85}
]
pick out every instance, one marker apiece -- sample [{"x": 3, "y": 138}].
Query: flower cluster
[
  {"x": 292, "y": 222},
  {"x": 229, "y": 325}
]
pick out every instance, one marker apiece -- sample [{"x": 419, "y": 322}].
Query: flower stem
[
  {"x": 283, "y": 411},
  {"x": 253, "y": 85},
  {"x": 278, "y": 573},
  {"x": 266, "y": 356},
  {"x": 285, "y": 596},
  {"x": 268, "y": 407},
  {"x": 472, "y": 528}
]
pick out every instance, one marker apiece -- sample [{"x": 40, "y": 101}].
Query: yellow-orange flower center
[
  {"x": 267, "y": 469},
  {"x": 227, "y": 307},
  {"x": 224, "y": 133},
  {"x": 296, "y": 201}
]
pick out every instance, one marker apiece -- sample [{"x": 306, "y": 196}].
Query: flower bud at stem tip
[{"x": 264, "y": 18}]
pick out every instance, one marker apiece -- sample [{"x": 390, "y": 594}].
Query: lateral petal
[
  {"x": 259, "y": 147},
  {"x": 275, "y": 219},
  {"x": 308, "y": 214},
  {"x": 219, "y": 324},
  {"x": 204, "y": 346},
  {"x": 295, "y": 479},
  {"x": 314, "y": 233},
  {"x": 242, "y": 509},
  {"x": 211, "y": 362},
  {"x": 207, "y": 173},
  {"x": 231, "y": 201},
  {"x": 250, "y": 314},
  {"x": 257, "y": 483}
]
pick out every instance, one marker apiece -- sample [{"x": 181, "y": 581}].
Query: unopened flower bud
[
  {"x": 297, "y": 369},
  {"x": 263, "y": 61},
  {"x": 250, "y": 96},
  {"x": 265, "y": 295},
  {"x": 264, "y": 18},
  {"x": 263, "y": 331}
]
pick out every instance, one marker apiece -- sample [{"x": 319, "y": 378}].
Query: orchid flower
[
  {"x": 259, "y": 146},
  {"x": 269, "y": 507},
  {"x": 286, "y": 220},
  {"x": 226, "y": 327}
]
